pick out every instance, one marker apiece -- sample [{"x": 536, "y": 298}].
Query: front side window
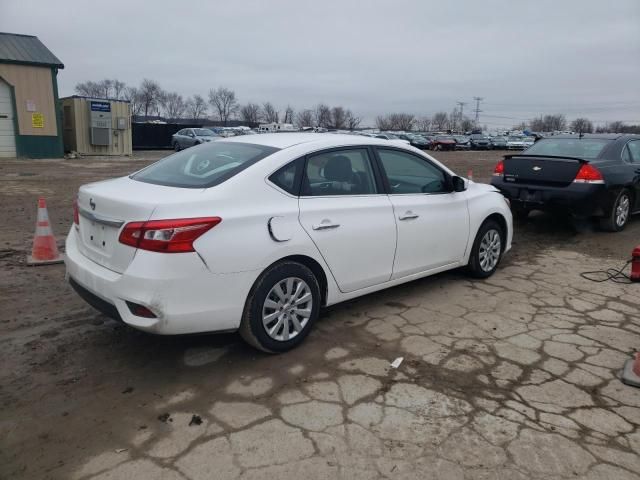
[
  {"x": 339, "y": 172},
  {"x": 410, "y": 174},
  {"x": 204, "y": 167}
]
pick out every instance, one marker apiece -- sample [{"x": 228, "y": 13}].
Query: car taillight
[
  {"x": 167, "y": 236},
  {"x": 76, "y": 213},
  {"x": 588, "y": 174},
  {"x": 499, "y": 170}
]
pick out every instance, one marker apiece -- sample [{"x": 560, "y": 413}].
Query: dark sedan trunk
[{"x": 538, "y": 170}]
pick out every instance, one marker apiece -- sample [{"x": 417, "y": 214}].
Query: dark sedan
[
  {"x": 480, "y": 142},
  {"x": 585, "y": 175},
  {"x": 443, "y": 142},
  {"x": 498, "y": 143}
]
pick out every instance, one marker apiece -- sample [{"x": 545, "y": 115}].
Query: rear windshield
[
  {"x": 203, "y": 166},
  {"x": 569, "y": 147}
]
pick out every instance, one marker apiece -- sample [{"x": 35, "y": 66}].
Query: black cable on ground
[{"x": 611, "y": 274}]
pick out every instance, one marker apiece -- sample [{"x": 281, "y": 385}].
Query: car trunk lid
[
  {"x": 541, "y": 169},
  {"x": 105, "y": 207}
]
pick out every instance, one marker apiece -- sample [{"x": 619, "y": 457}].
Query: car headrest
[{"x": 338, "y": 169}]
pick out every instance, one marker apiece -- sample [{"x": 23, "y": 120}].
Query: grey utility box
[{"x": 100, "y": 118}]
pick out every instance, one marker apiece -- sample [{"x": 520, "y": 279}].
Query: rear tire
[
  {"x": 618, "y": 216},
  {"x": 176, "y": 146},
  {"x": 487, "y": 249},
  {"x": 281, "y": 308}
]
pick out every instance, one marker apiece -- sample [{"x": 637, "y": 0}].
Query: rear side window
[
  {"x": 569, "y": 147},
  {"x": 205, "y": 166},
  {"x": 287, "y": 178},
  {"x": 634, "y": 150},
  {"x": 339, "y": 172}
]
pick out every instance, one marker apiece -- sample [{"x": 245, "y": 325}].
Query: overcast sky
[{"x": 578, "y": 57}]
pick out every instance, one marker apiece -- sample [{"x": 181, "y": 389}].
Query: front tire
[
  {"x": 281, "y": 308},
  {"x": 487, "y": 250},
  {"x": 520, "y": 213},
  {"x": 176, "y": 146},
  {"x": 618, "y": 216}
]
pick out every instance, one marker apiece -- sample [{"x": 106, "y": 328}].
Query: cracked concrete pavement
[{"x": 513, "y": 377}]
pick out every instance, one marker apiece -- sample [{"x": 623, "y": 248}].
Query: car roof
[
  {"x": 286, "y": 140},
  {"x": 601, "y": 136}
]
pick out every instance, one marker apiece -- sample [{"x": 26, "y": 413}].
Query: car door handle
[
  {"x": 325, "y": 225},
  {"x": 409, "y": 215}
]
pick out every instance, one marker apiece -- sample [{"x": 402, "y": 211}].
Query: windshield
[
  {"x": 391, "y": 136},
  {"x": 444, "y": 139},
  {"x": 203, "y": 132},
  {"x": 205, "y": 166},
  {"x": 461, "y": 139},
  {"x": 478, "y": 137},
  {"x": 569, "y": 147},
  {"x": 515, "y": 139}
]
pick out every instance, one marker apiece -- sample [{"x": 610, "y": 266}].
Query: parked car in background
[
  {"x": 528, "y": 141},
  {"x": 480, "y": 142},
  {"x": 258, "y": 234},
  {"x": 443, "y": 142},
  {"x": 587, "y": 176},
  {"x": 462, "y": 142},
  {"x": 415, "y": 140},
  {"x": 498, "y": 143},
  {"x": 515, "y": 143},
  {"x": 188, "y": 137},
  {"x": 392, "y": 137}
]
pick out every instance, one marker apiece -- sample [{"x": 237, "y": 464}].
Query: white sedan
[{"x": 257, "y": 234}]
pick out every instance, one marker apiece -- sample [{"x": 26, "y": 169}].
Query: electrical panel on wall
[{"x": 100, "y": 123}]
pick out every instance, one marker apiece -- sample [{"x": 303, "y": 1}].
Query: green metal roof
[{"x": 26, "y": 49}]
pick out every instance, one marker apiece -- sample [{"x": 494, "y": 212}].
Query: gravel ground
[{"x": 513, "y": 377}]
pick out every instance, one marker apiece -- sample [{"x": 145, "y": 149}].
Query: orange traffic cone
[
  {"x": 45, "y": 250},
  {"x": 470, "y": 175},
  {"x": 631, "y": 371}
]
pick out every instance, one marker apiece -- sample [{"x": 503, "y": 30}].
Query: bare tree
[
  {"x": 322, "y": 116},
  {"x": 548, "y": 123},
  {"x": 89, "y": 89},
  {"x": 118, "y": 89},
  {"x": 338, "y": 118},
  {"x": 440, "y": 120},
  {"x": 250, "y": 113},
  {"x": 423, "y": 124},
  {"x": 383, "y": 122},
  {"x": 173, "y": 105},
  {"x": 269, "y": 112},
  {"x": 133, "y": 96},
  {"x": 196, "y": 107},
  {"x": 352, "y": 121},
  {"x": 288, "y": 114},
  {"x": 224, "y": 103},
  {"x": 304, "y": 119},
  {"x": 149, "y": 95},
  {"x": 466, "y": 124},
  {"x": 582, "y": 125}
]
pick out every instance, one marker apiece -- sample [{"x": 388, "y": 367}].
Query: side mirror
[{"x": 458, "y": 184}]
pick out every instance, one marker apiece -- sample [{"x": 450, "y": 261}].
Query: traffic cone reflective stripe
[
  {"x": 45, "y": 249},
  {"x": 470, "y": 175}
]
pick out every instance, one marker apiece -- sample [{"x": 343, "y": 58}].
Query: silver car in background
[{"x": 188, "y": 137}]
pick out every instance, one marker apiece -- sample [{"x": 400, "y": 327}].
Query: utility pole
[
  {"x": 478, "y": 100},
  {"x": 461, "y": 109}
]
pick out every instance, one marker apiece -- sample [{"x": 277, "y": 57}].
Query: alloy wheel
[
  {"x": 489, "y": 251},
  {"x": 622, "y": 210},
  {"x": 287, "y": 309}
]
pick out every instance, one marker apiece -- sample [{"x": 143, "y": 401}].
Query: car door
[
  {"x": 632, "y": 160},
  {"x": 349, "y": 218},
  {"x": 190, "y": 138},
  {"x": 432, "y": 220}
]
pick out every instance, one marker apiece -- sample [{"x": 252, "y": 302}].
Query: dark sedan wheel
[
  {"x": 281, "y": 308},
  {"x": 619, "y": 215},
  {"x": 176, "y": 146},
  {"x": 487, "y": 250}
]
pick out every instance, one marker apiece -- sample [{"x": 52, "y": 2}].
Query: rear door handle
[
  {"x": 325, "y": 225},
  {"x": 409, "y": 215}
]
